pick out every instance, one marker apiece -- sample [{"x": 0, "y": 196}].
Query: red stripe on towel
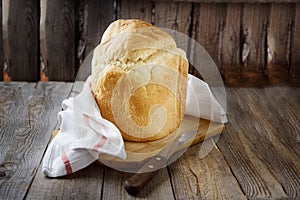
[
  {"x": 86, "y": 119},
  {"x": 66, "y": 163},
  {"x": 100, "y": 143}
]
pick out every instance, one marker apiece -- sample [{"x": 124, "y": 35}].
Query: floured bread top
[{"x": 139, "y": 80}]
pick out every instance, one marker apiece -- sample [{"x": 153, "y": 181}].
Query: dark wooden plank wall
[
  {"x": 231, "y": 47},
  {"x": 20, "y": 30},
  {"x": 58, "y": 40},
  {"x": 97, "y": 17},
  {"x": 279, "y": 41},
  {"x": 253, "y": 44}
]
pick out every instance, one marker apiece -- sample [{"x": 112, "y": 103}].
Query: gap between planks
[
  {"x": 253, "y": 147},
  {"x": 25, "y": 153}
]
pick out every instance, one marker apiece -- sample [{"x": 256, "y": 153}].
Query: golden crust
[
  {"x": 121, "y": 26},
  {"x": 139, "y": 79}
]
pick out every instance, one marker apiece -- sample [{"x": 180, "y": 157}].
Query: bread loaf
[{"x": 139, "y": 80}]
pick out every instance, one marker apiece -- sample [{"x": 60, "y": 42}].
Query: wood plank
[
  {"x": 83, "y": 184},
  {"x": 175, "y": 16},
  {"x": 281, "y": 133},
  {"x": 20, "y": 40},
  {"x": 24, "y": 156},
  {"x": 82, "y": 17},
  {"x": 159, "y": 187},
  {"x": 58, "y": 40},
  {"x": 295, "y": 52},
  {"x": 99, "y": 15},
  {"x": 231, "y": 56},
  {"x": 207, "y": 32},
  {"x": 279, "y": 42},
  {"x": 262, "y": 163},
  {"x": 255, "y": 180},
  {"x": 287, "y": 116},
  {"x": 241, "y": 159},
  {"x": 293, "y": 94},
  {"x": 135, "y": 9},
  {"x": 14, "y": 97},
  {"x": 255, "y": 18},
  {"x": 207, "y": 178},
  {"x": 71, "y": 186}
]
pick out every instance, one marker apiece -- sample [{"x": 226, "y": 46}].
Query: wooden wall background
[{"x": 253, "y": 44}]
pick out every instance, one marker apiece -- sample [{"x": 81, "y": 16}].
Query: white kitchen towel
[
  {"x": 200, "y": 102},
  {"x": 84, "y": 134}
]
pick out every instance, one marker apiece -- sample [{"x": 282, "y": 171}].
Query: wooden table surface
[{"x": 257, "y": 156}]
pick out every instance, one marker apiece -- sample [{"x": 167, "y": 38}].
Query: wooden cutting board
[{"x": 139, "y": 152}]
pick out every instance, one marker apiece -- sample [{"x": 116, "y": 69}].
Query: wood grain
[
  {"x": 288, "y": 102},
  {"x": 82, "y": 17},
  {"x": 293, "y": 94},
  {"x": 231, "y": 56},
  {"x": 264, "y": 166},
  {"x": 251, "y": 172},
  {"x": 14, "y": 97},
  {"x": 99, "y": 15},
  {"x": 295, "y": 52},
  {"x": 279, "y": 42},
  {"x": 253, "y": 44},
  {"x": 20, "y": 40},
  {"x": 58, "y": 40},
  {"x": 135, "y": 9},
  {"x": 285, "y": 150},
  {"x": 34, "y": 132},
  {"x": 175, "y": 16},
  {"x": 208, "y": 32},
  {"x": 207, "y": 178},
  {"x": 83, "y": 184},
  {"x": 88, "y": 181},
  {"x": 159, "y": 188}
]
